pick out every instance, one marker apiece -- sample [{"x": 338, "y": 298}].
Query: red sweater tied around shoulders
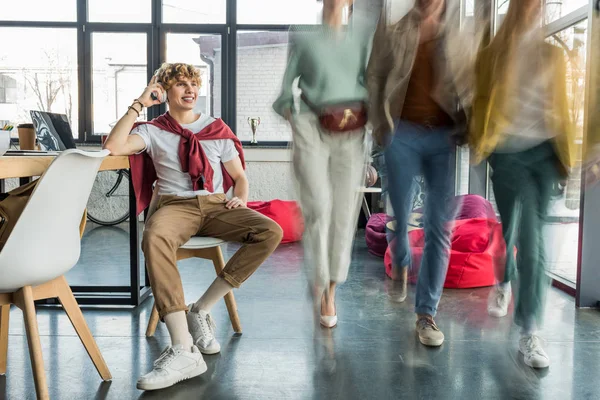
[{"x": 191, "y": 154}]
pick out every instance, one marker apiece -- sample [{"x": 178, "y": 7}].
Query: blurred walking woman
[
  {"x": 521, "y": 123},
  {"x": 329, "y": 150}
]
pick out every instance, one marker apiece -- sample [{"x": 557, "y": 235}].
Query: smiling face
[
  {"x": 183, "y": 94},
  {"x": 181, "y": 81}
]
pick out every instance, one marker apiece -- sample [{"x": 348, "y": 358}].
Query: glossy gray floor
[{"x": 372, "y": 354}]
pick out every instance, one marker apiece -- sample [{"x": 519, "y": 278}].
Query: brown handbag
[
  {"x": 340, "y": 117},
  {"x": 11, "y": 208}
]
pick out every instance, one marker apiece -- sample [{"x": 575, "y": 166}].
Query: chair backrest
[{"x": 45, "y": 241}]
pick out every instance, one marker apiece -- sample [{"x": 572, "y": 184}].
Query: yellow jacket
[{"x": 492, "y": 108}]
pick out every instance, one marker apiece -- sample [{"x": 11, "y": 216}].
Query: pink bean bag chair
[
  {"x": 474, "y": 206},
  {"x": 471, "y": 206},
  {"x": 287, "y": 214},
  {"x": 375, "y": 234}
]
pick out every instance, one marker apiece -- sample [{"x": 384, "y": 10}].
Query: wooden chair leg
[
  {"x": 153, "y": 323},
  {"x": 219, "y": 264},
  {"x": 66, "y": 298},
  {"x": 233, "y": 313},
  {"x": 24, "y": 299},
  {"x": 4, "y": 314},
  {"x": 82, "y": 223}
]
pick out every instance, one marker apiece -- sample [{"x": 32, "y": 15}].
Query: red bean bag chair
[
  {"x": 477, "y": 254},
  {"x": 287, "y": 214},
  {"x": 375, "y": 234}
]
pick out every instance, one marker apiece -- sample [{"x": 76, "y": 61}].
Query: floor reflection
[{"x": 373, "y": 352}]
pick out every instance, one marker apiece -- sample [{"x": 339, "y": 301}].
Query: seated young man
[{"x": 198, "y": 167}]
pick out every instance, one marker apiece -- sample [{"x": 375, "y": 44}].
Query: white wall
[
  {"x": 260, "y": 72},
  {"x": 270, "y": 174}
]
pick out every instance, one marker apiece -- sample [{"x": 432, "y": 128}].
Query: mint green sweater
[{"x": 330, "y": 64}]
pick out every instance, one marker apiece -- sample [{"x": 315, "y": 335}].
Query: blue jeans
[{"x": 415, "y": 150}]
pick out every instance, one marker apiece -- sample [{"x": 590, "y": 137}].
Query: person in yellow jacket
[{"x": 521, "y": 124}]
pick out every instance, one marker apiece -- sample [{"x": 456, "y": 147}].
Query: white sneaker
[
  {"x": 174, "y": 365},
  {"x": 499, "y": 301},
  {"x": 533, "y": 353},
  {"x": 203, "y": 328}
]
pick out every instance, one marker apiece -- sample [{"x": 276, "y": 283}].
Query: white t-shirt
[{"x": 163, "y": 147}]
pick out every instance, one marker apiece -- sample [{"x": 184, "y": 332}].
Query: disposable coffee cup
[{"x": 26, "y": 136}]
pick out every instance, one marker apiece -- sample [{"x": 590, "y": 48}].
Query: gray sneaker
[
  {"x": 429, "y": 333},
  {"x": 202, "y": 328}
]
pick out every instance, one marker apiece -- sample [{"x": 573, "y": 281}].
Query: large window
[
  {"x": 38, "y": 72},
  {"x": 553, "y": 9},
  {"x": 566, "y": 28},
  {"x": 462, "y": 170},
  {"x": 118, "y": 77},
  {"x": 206, "y": 53},
  {"x": 564, "y": 211},
  {"x": 502, "y": 9},
  {"x": 88, "y": 59},
  {"x": 38, "y": 10},
  {"x": 194, "y": 12},
  {"x": 119, "y": 11},
  {"x": 556, "y": 9},
  {"x": 278, "y": 12}
]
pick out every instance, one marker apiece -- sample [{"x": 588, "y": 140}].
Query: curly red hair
[{"x": 168, "y": 74}]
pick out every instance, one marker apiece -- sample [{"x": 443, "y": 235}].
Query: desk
[
  {"x": 135, "y": 293},
  {"x": 365, "y": 204}
]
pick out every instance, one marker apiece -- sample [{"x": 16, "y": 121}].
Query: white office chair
[
  {"x": 199, "y": 247},
  {"x": 43, "y": 246}
]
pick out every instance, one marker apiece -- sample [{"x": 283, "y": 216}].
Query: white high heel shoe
[{"x": 328, "y": 321}]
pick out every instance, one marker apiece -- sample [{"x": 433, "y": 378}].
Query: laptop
[{"x": 53, "y": 131}]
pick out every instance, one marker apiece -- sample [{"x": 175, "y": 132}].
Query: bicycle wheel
[{"x": 109, "y": 200}]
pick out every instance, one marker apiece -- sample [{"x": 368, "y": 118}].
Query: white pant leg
[
  {"x": 310, "y": 164},
  {"x": 347, "y": 170}
]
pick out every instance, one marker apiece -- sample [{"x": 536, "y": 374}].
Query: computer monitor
[{"x": 53, "y": 131}]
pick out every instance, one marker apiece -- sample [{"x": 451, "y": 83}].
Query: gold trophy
[{"x": 254, "y": 123}]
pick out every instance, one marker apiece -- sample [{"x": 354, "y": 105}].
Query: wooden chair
[
  {"x": 208, "y": 249},
  {"x": 51, "y": 225}
]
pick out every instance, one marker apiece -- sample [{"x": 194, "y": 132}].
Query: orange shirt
[{"x": 419, "y": 106}]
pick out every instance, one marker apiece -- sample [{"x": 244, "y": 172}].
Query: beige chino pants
[{"x": 177, "y": 219}]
